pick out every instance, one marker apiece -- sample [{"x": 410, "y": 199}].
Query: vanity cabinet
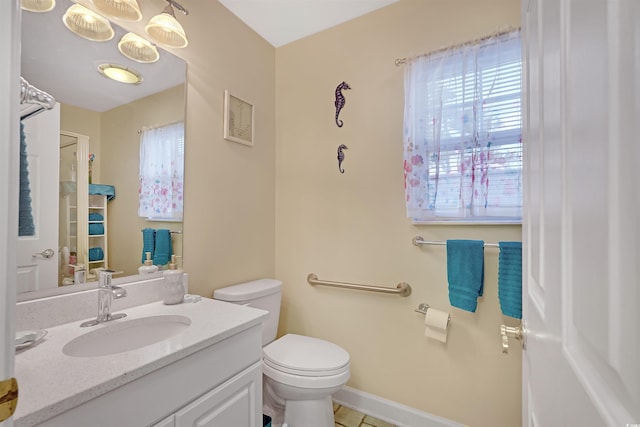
[
  {"x": 233, "y": 403},
  {"x": 216, "y": 386}
]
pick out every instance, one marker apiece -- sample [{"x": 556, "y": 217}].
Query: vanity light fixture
[
  {"x": 120, "y": 73},
  {"x": 138, "y": 49},
  {"x": 165, "y": 29},
  {"x": 87, "y": 24},
  {"x": 38, "y": 5},
  {"x": 126, "y": 10}
]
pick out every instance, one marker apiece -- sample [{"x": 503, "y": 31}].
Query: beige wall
[
  {"x": 352, "y": 227},
  {"x": 348, "y": 227},
  {"x": 121, "y": 165},
  {"x": 113, "y": 137},
  {"x": 85, "y": 122},
  {"x": 229, "y": 223}
]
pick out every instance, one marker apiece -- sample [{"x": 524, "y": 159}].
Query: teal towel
[
  {"x": 465, "y": 272},
  {"x": 510, "y": 278},
  {"x": 96, "y": 228},
  {"x": 103, "y": 190},
  {"x": 96, "y": 254},
  {"x": 26, "y": 224},
  {"x": 95, "y": 217},
  {"x": 148, "y": 242},
  {"x": 162, "y": 251}
]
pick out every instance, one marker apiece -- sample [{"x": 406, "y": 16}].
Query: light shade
[
  {"x": 126, "y": 10},
  {"x": 88, "y": 24},
  {"x": 138, "y": 49},
  {"x": 38, "y": 5},
  {"x": 166, "y": 30},
  {"x": 120, "y": 73}
]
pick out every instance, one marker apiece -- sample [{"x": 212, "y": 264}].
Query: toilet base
[
  {"x": 294, "y": 407},
  {"x": 309, "y": 413}
]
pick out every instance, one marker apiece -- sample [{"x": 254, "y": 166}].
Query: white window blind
[
  {"x": 161, "y": 176},
  {"x": 462, "y": 133}
]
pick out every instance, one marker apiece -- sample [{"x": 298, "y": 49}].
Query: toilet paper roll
[{"x": 437, "y": 324}]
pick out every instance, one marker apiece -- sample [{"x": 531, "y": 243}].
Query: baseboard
[{"x": 389, "y": 411}]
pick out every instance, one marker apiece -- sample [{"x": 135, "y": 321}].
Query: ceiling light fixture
[
  {"x": 87, "y": 24},
  {"x": 120, "y": 73},
  {"x": 138, "y": 49},
  {"x": 38, "y": 5},
  {"x": 126, "y": 10},
  {"x": 165, "y": 29}
]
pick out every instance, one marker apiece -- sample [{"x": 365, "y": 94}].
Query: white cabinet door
[
  {"x": 581, "y": 275},
  {"x": 236, "y": 403}
]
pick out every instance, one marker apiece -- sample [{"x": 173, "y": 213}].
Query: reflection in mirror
[{"x": 109, "y": 116}]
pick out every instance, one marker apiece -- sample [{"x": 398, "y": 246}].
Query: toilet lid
[{"x": 303, "y": 355}]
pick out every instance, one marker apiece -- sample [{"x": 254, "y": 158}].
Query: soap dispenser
[
  {"x": 173, "y": 287},
  {"x": 148, "y": 266}
]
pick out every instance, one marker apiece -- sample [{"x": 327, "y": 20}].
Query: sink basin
[{"x": 126, "y": 335}]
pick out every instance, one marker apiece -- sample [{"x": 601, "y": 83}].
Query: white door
[
  {"x": 9, "y": 150},
  {"x": 42, "y": 135},
  {"x": 581, "y": 289}
]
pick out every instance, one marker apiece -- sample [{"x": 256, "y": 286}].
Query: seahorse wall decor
[
  {"x": 340, "y": 101},
  {"x": 341, "y": 157}
]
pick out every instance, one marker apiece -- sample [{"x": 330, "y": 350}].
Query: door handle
[
  {"x": 46, "y": 254},
  {"x": 517, "y": 332}
]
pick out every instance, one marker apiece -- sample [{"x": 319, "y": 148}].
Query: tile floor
[{"x": 347, "y": 417}]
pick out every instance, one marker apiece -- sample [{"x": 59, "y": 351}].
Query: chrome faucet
[{"x": 106, "y": 292}]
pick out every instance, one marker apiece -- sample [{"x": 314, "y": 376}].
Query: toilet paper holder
[{"x": 423, "y": 307}]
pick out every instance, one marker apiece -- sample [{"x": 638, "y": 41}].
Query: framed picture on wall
[{"x": 238, "y": 119}]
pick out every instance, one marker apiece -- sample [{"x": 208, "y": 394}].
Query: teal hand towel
[
  {"x": 162, "y": 251},
  {"x": 465, "y": 272},
  {"x": 148, "y": 242},
  {"x": 96, "y": 254},
  {"x": 96, "y": 228},
  {"x": 510, "y": 278}
]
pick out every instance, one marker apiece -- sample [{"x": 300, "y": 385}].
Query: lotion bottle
[
  {"x": 148, "y": 266},
  {"x": 173, "y": 287}
]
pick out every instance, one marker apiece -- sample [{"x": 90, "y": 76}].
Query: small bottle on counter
[
  {"x": 147, "y": 267},
  {"x": 173, "y": 286},
  {"x": 79, "y": 274}
]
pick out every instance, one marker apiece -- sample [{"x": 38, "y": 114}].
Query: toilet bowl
[{"x": 300, "y": 373}]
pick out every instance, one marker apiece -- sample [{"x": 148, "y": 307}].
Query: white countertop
[{"x": 51, "y": 382}]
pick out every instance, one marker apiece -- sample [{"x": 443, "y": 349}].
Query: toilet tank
[{"x": 264, "y": 294}]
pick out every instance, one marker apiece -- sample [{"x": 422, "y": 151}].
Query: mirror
[{"x": 111, "y": 115}]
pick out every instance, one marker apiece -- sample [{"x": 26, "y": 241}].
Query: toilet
[{"x": 300, "y": 373}]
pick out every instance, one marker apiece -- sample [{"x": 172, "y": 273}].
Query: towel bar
[
  {"x": 403, "y": 289},
  {"x": 418, "y": 240}
]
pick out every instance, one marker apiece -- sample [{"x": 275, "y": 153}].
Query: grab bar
[{"x": 403, "y": 289}]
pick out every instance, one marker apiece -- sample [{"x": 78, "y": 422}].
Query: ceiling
[
  {"x": 65, "y": 65},
  {"x": 284, "y": 21}
]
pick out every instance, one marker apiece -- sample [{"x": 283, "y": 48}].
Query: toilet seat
[{"x": 306, "y": 362}]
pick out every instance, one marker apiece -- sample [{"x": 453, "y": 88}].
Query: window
[
  {"x": 162, "y": 172},
  {"x": 462, "y": 133}
]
